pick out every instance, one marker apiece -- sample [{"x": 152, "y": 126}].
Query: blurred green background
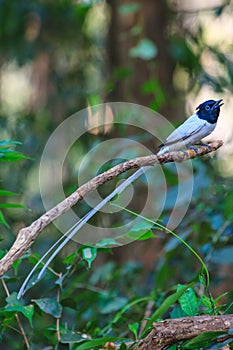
[{"x": 58, "y": 57}]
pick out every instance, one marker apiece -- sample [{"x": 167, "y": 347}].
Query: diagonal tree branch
[{"x": 26, "y": 236}]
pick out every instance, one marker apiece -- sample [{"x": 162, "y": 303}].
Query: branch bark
[
  {"x": 26, "y": 236},
  {"x": 172, "y": 331}
]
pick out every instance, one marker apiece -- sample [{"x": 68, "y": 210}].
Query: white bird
[{"x": 193, "y": 130}]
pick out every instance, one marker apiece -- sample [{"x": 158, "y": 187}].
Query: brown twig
[
  {"x": 22, "y": 332},
  {"x": 59, "y": 318},
  {"x": 147, "y": 315},
  {"x": 26, "y": 236}
]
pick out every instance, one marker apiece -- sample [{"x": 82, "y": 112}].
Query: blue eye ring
[{"x": 207, "y": 108}]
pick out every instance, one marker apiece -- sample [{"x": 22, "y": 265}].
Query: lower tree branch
[
  {"x": 172, "y": 331},
  {"x": 27, "y": 235}
]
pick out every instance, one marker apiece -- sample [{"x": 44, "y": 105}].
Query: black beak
[{"x": 218, "y": 104}]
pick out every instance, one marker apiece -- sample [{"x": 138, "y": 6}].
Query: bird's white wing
[{"x": 190, "y": 127}]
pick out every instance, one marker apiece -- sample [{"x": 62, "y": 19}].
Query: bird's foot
[
  {"x": 205, "y": 144},
  {"x": 199, "y": 144},
  {"x": 193, "y": 148}
]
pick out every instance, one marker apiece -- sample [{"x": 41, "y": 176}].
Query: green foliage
[
  {"x": 12, "y": 306},
  {"x": 215, "y": 340},
  {"x": 188, "y": 302},
  {"x": 96, "y": 343},
  {"x": 49, "y": 306},
  {"x": 134, "y": 327},
  {"x": 89, "y": 254},
  {"x": 92, "y": 297},
  {"x": 104, "y": 299},
  {"x": 7, "y": 154},
  {"x": 102, "y": 304}
]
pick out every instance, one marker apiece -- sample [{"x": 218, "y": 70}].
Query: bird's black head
[{"x": 209, "y": 110}]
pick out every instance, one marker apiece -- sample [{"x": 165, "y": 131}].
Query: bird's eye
[{"x": 207, "y": 108}]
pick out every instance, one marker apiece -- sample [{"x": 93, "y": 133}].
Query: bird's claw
[
  {"x": 195, "y": 149},
  {"x": 201, "y": 144}
]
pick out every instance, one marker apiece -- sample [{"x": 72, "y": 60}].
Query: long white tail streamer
[
  {"x": 76, "y": 227},
  {"x": 22, "y": 289}
]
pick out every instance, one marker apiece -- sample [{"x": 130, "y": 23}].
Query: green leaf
[
  {"x": 141, "y": 231},
  {"x": 145, "y": 49},
  {"x": 3, "y": 220},
  {"x": 134, "y": 327},
  {"x": 88, "y": 254},
  {"x": 14, "y": 305},
  {"x": 206, "y": 301},
  {"x": 11, "y": 205},
  {"x": 177, "y": 312},
  {"x": 166, "y": 304},
  {"x": 203, "y": 340},
  {"x": 91, "y": 344},
  {"x": 107, "y": 242},
  {"x": 188, "y": 301},
  {"x": 70, "y": 259},
  {"x": 216, "y": 300},
  {"x": 142, "y": 235},
  {"x": 146, "y": 235},
  {"x": 9, "y": 143},
  {"x": 142, "y": 225},
  {"x": 7, "y": 193},
  {"x": 49, "y": 306},
  {"x": 202, "y": 280},
  {"x": 27, "y": 311},
  {"x": 71, "y": 337},
  {"x": 60, "y": 280},
  {"x": 11, "y": 156},
  {"x": 12, "y": 299}
]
